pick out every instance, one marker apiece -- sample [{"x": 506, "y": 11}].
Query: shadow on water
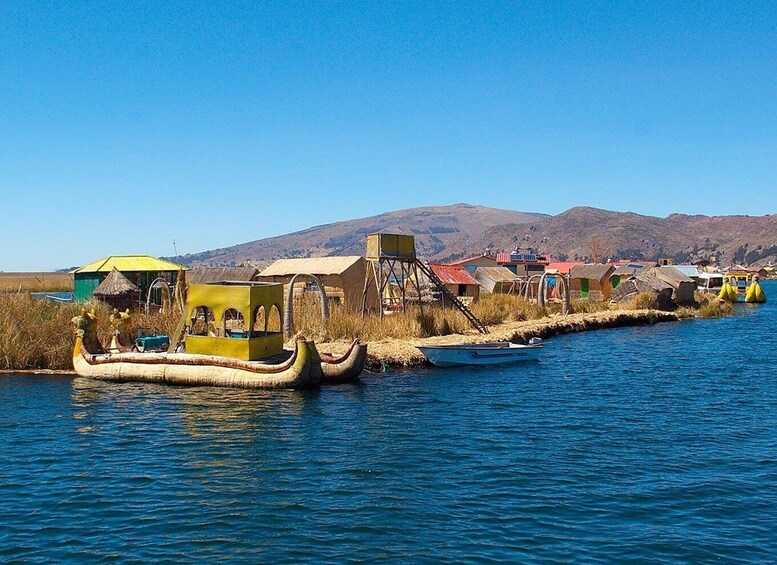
[{"x": 203, "y": 412}]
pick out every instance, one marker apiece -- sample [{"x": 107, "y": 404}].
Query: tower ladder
[{"x": 463, "y": 308}]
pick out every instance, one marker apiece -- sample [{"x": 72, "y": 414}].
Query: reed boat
[
  {"x": 301, "y": 370},
  {"x": 737, "y": 288},
  {"x": 480, "y": 353},
  {"x": 227, "y": 355}
]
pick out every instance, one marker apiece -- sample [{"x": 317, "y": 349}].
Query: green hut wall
[{"x": 84, "y": 285}]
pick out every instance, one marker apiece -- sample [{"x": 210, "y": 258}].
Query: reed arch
[
  {"x": 163, "y": 284},
  {"x": 527, "y": 290},
  {"x": 288, "y": 322},
  {"x": 542, "y": 290}
]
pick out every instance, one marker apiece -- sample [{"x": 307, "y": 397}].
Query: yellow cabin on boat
[
  {"x": 241, "y": 320},
  {"x": 739, "y": 280}
]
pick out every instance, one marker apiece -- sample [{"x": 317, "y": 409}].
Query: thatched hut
[
  {"x": 591, "y": 282},
  {"x": 207, "y": 275},
  {"x": 645, "y": 281},
  {"x": 342, "y": 277},
  {"x": 497, "y": 280},
  {"x": 118, "y": 291},
  {"x": 683, "y": 286}
]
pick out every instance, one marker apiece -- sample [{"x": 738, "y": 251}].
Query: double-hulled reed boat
[{"x": 229, "y": 355}]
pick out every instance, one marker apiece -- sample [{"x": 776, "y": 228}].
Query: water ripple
[{"x": 655, "y": 443}]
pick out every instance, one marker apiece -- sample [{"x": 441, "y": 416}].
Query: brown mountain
[
  {"x": 436, "y": 228},
  {"x": 451, "y": 232},
  {"x": 590, "y": 233}
]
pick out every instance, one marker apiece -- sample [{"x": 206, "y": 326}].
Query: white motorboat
[{"x": 481, "y": 353}]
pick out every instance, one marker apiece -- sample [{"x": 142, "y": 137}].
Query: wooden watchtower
[{"x": 391, "y": 262}]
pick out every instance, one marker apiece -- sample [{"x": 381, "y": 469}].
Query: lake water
[{"x": 657, "y": 442}]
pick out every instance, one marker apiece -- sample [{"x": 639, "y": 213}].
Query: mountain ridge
[{"x": 445, "y": 233}]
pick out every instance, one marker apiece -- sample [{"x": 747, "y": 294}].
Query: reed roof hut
[
  {"x": 342, "y": 277},
  {"x": 222, "y": 274},
  {"x": 118, "y": 291},
  {"x": 683, "y": 286},
  {"x": 645, "y": 280},
  {"x": 497, "y": 280},
  {"x": 591, "y": 282}
]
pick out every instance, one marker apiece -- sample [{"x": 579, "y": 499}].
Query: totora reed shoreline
[{"x": 392, "y": 352}]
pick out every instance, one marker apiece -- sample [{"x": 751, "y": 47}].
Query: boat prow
[{"x": 347, "y": 367}]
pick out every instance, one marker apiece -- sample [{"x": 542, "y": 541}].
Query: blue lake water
[
  {"x": 652, "y": 443},
  {"x": 56, "y": 296}
]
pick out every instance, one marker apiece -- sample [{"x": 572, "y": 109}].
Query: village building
[
  {"x": 561, "y": 267},
  {"x": 458, "y": 280},
  {"x": 117, "y": 291},
  {"x": 205, "y": 275},
  {"x": 498, "y": 280},
  {"x": 645, "y": 281},
  {"x": 624, "y": 269},
  {"x": 342, "y": 277},
  {"x": 622, "y": 273},
  {"x": 683, "y": 286},
  {"x": 766, "y": 272},
  {"x": 591, "y": 282},
  {"x": 523, "y": 264},
  {"x": 141, "y": 270},
  {"x": 474, "y": 263},
  {"x": 690, "y": 271}
]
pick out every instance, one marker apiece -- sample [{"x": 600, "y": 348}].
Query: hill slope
[
  {"x": 451, "y": 232},
  {"x": 585, "y": 233},
  {"x": 436, "y": 228}
]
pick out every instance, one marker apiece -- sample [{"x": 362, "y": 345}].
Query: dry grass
[
  {"x": 643, "y": 301},
  {"x": 710, "y": 307},
  {"x": 36, "y": 282},
  {"x": 434, "y": 321},
  {"x": 715, "y": 309},
  {"x": 493, "y": 310},
  {"x": 37, "y": 334},
  {"x": 589, "y": 306}
]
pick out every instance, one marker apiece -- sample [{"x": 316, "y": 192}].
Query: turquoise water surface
[{"x": 652, "y": 443}]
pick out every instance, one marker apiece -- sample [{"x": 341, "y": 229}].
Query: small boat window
[
  {"x": 274, "y": 321},
  {"x": 233, "y": 324},
  {"x": 203, "y": 321},
  {"x": 260, "y": 322}
]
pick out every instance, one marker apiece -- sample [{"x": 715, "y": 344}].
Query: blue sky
[{"x": 126, "y": 125}]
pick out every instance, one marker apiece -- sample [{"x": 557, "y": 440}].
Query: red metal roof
[
  {"x": 453, "y": 274},
  {"x": 563, "y": 267}
]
